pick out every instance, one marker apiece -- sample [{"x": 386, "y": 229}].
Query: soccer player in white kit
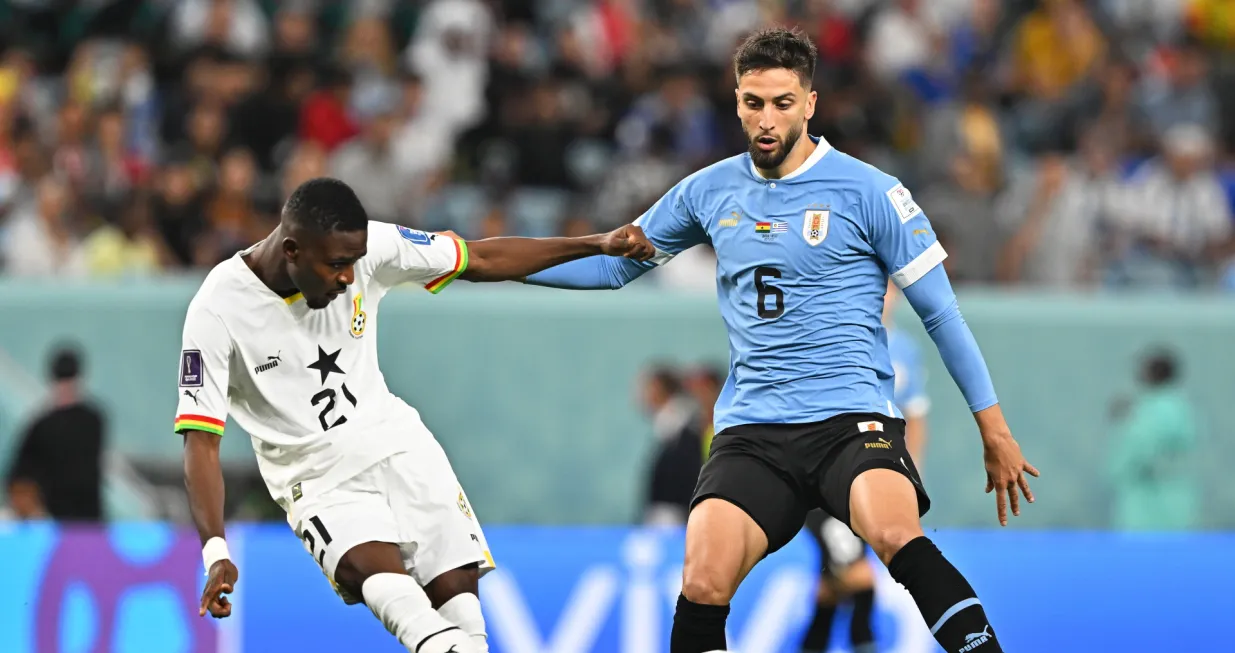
[{"x": 283, "y": 337}]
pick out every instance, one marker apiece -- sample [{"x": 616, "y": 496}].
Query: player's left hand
[
  {"x": 221, "y": 580},
  {"x": 628, "y": 241},
  {"x": 1006, "y": 468}
]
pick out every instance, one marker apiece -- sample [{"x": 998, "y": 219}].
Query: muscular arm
[
  {"x": 203, "y": 478},
  {"x": 510, "y": 259}
]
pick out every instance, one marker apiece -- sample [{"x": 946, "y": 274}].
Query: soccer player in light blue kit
[{"x": 806, "y": 238}]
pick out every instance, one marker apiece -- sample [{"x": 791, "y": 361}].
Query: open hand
[
  {"x": 628, "y": 241},
  {"x": 1006, "y": 468},
  {"x": 222, "y": 579}
]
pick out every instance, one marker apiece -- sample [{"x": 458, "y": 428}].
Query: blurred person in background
[
  {"x": 1055, "y": 48},
  {"x": 704, "y": 384},
  {"x": 1058, "y": 213},
  {"x": 324, "y": 116},
  {"x": 846, "y": 574},
  {"x": 178, "y": 212},
  {"x": 675, "y": 464},
  {"x": 61, "y": 451},
  {"x": 368, "y": 163},
  {"x": 423, "y": 151},
  {"x": 1152, "y": 466},
  {"x": 1181, "y": 92},
  {"x": 231, "y": 215},
  {"x": 1177, "y": 224},
  {"x": 127, "y": 245},
  {"x": 42, "y": 238},
  {"x": 240, "y": 26}
]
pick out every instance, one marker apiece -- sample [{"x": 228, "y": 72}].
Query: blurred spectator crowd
[{"x": 1057, "y": 143}]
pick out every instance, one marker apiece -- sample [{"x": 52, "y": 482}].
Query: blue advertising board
[{"x": 134, "y": 589}]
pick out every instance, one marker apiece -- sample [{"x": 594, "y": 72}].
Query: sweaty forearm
[
  {"x": 203, "y": 478},
  {"x": 933, "y": 300},
  {"x": 508, "y": 259}
]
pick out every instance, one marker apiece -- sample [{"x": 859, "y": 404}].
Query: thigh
[
  {"x": 338, "y": 520},
  {"x": 748, "y": 472},
  {"x": 464, "y": 580},
  {"x": 865, "y": 442},
  {"x": 438, "y": 525}
]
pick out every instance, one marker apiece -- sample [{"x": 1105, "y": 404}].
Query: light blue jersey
[
  {"x": 803, "y": 263},
  {"x": 910, "y": 385},
  {"x": 802, "y": 269}
]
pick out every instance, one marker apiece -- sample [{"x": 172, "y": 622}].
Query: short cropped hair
[
  {"x": 326, "y": 205},
  {"x": 777, "y": 47}
]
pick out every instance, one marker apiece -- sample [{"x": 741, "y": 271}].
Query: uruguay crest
[{"x": 815, "y": 226}]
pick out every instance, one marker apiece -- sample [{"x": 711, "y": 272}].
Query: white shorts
[{"x": 411, "y": 499}]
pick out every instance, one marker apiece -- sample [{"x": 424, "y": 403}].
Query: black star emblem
[{"x": 326, "y": 363}]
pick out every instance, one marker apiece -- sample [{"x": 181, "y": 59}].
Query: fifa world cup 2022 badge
[
  {"x": 463, "y": 507},
  {"x": 358, "y": 317}
]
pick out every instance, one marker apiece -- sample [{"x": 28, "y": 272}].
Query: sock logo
[{"x": 974, "y": 640}]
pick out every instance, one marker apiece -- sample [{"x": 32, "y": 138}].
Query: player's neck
[
  {"x": 266, "y": 261},
  {"x": 797, "y": 158}
]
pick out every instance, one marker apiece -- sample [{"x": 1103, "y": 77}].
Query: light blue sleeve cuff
[{"x": 934, "y": 301}]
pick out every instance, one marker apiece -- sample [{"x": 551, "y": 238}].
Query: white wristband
[{"x": 214, "y": 550}]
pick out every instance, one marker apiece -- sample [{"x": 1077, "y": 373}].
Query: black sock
[
  {"x": 698, "y": 628},
  {"x": 820, "y": 631},
  {"x": 860, "y": 623},
  {"x": 945, "y": 599}
]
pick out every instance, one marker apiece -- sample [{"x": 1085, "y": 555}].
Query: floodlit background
[{"x": 1076, "y": 159}]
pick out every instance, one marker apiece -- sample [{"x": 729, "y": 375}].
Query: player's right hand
[
  {"x": 221, "y": 580},
  {"x": 628, "y": 241}
]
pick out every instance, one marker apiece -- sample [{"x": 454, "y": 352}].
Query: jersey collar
[{"x": 822, "y": 148}]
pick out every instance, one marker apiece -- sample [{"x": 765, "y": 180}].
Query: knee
[
  {"x": 887, "y": 540},
  {"x": 706, "y": 586}
]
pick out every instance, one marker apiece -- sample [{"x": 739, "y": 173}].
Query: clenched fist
[{"x": 628, "y": 241}]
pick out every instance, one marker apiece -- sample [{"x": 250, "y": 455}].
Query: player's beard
[{"x": 772, "y": 160}]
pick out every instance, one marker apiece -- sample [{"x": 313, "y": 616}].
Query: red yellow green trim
[
  {"x": 441, "y": 282},
  {"x": 199, "y": 423}
]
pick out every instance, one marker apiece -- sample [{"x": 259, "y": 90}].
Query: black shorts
[{"x": 777, "y": 472}]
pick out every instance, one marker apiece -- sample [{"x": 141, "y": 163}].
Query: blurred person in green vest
[{"x": 1152, "y": 466}]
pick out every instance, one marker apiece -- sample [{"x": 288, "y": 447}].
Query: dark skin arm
[
  {"x": 512, "y": 259},
  {"x": 203, "y": 478}
]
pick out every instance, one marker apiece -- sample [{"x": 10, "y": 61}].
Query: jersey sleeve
[
  {"x": 403, "y": 255},
  {"x": 902, "y": 237},
  {"x": 670, "y": 225},
  {"x": 205, "y": 354}
]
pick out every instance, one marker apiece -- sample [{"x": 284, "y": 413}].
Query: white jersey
[{"x": 305, "y": 384}]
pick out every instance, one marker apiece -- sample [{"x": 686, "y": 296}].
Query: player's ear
[
  {"x": 291, "y": 248},
  {"x": 810, "y": 104}
]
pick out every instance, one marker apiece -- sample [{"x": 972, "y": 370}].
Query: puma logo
[
  {"x": 272, "y": 362},
  {"x": 974, "y": 640},
  {"x": 193, "y": 396},
  {"x": 452, "y": 649},
  {"x": 879, "y": 443}
]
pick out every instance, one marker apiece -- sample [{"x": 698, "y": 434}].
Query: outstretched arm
[
  {"x": 509, "y": 259},
  {"x": 203, "y": 479},
  {"x": 200, "y": 417}
]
